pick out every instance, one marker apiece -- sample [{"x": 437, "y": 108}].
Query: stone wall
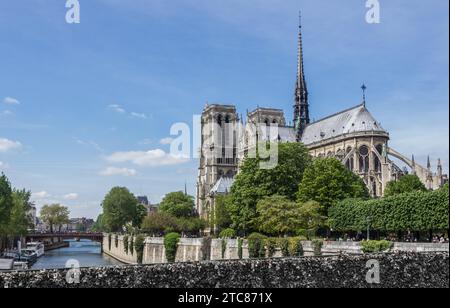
[
  {"x": 404, "y": 270},
  {"x": 192, "y": 249},
  {"x": 196, "y": 249},
  {"x": 118, "y": 252}
]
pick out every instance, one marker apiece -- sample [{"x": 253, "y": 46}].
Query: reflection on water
[{"x": 87, "y": 253}]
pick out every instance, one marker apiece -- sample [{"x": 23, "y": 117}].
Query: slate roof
[
  {"x": 223, "y": 186},
  {"x": 353, "y": 120}
]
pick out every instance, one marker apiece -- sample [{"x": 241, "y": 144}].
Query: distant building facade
[{"x": 151, "y": 208}]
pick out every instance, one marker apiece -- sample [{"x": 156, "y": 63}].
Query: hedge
[
  {"x": 376, "y": 246},
  {"x": 417, "y": 211},
  {"x": 256, "y": 248}
]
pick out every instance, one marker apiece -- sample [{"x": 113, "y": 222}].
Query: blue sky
[{"x": 72, "y": 96}]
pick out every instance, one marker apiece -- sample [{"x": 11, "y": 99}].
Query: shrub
[
  {"x": 240, "y": 244},
  {"x": 227, "y": 233},
  {"x": 284, "y": 246},
  {"x": 139, "y": 246},
  {"x": 271, "y": 245},
  {"x": 317, "y": 247},
  {"x": 171, "y": 244},
  {"x": 125, "y": 244},
  {"x": 256, "y": 247},
  {"x": 295, "y": 247},
  {"x": 375, "y": 246}
]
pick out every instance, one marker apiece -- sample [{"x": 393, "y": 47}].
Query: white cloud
[
  {"x": 6, "y": 112},
  {"x": 166, "y": 141},
  {"x": 150, "y": 158},
  {"x": 145, "y": 142},
  {"x": 6, "y": 145},
  {"x": 71, "y": 196},
  {"x": 117, "y": 108},
  {"x": 3, "y": 165},
  {"x": 111, "y": 171},
  {"x": 11, "y": 101},
  {"x": 41, "y": 195},
  {"x": 138, "y": 115}
]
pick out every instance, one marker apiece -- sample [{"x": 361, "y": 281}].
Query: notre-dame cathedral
[{"x": 353, "y": 136}]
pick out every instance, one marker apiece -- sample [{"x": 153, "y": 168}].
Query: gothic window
[
  {"x": 350, "y": 164},
  {"x": 377, "y": 162},
  {"x": 330, "y": 154},
  {"x": 380, "y": 149},
  {"x": 364, "y": 159},
  {"x": 220, "y": 174},
  {"x": 230, "y": 174}
]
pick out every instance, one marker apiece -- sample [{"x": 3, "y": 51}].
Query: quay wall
[{"x": 204, "y": 249}]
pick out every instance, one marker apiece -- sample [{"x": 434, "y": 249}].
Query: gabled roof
[
  {"x": 353, "y": 120},
  {"x": 223, "y": 186}
]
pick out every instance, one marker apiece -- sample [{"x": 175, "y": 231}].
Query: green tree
[
  {"x": 406, "y": 184},
  {"x": 253, "y": 183},
  {"x": 120, "y": 207},
  {"x": 159, "y": 222},
  {"x": 277, "y": 215},
  {"x": 99, "y": 224},
  {"x": 222, "y": 218},
  {"x": 6, "y": 204},
  {"x": 20, "y": 220},
  {"x": 178, "y": 204},
  {"x": 55, "y": 215},
  {"x": 327, "y": 181},
  {"x": 311, "y": 217}
]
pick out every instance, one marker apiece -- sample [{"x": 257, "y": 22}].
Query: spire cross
[
  {"x": 300, "y": 19},
  {"x": 364, "y": 88}
]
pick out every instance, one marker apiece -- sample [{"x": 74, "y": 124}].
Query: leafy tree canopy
[
  {"x": 277, "y": 215},
  {"x": 406, "y": 184},
  {"x": 55, "y": 215},
  {"x": 5, "y": 203},
  {"x": 20, "y": 221},
  {"x": 178, "y": 204},
  {"x": 327, "y": 181},
  {"x": 253, "y": 183},
  {"x": 120, "y": 207}
]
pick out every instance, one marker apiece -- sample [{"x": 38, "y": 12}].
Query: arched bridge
[{"x": 96, "y": 237}]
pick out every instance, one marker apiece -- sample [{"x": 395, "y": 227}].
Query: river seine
[{"x": 86, "y": 253}]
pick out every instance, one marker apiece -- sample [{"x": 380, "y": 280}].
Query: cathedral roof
[
  {"x": 353, "y": 120},
  {"x": 222, "y": 186},
  {"x": 287, "y": 134}
]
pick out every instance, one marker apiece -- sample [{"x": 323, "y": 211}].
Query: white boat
[
  {"x": 20, "y": 266},
  {"x": 36, "y": 247}
]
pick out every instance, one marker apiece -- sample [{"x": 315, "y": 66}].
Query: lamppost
[{"x": 369, "y": 219}]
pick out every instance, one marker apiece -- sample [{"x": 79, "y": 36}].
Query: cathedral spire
[
  {"x": 364, "y": 88},
  {"x": 301, "y": 106}
]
